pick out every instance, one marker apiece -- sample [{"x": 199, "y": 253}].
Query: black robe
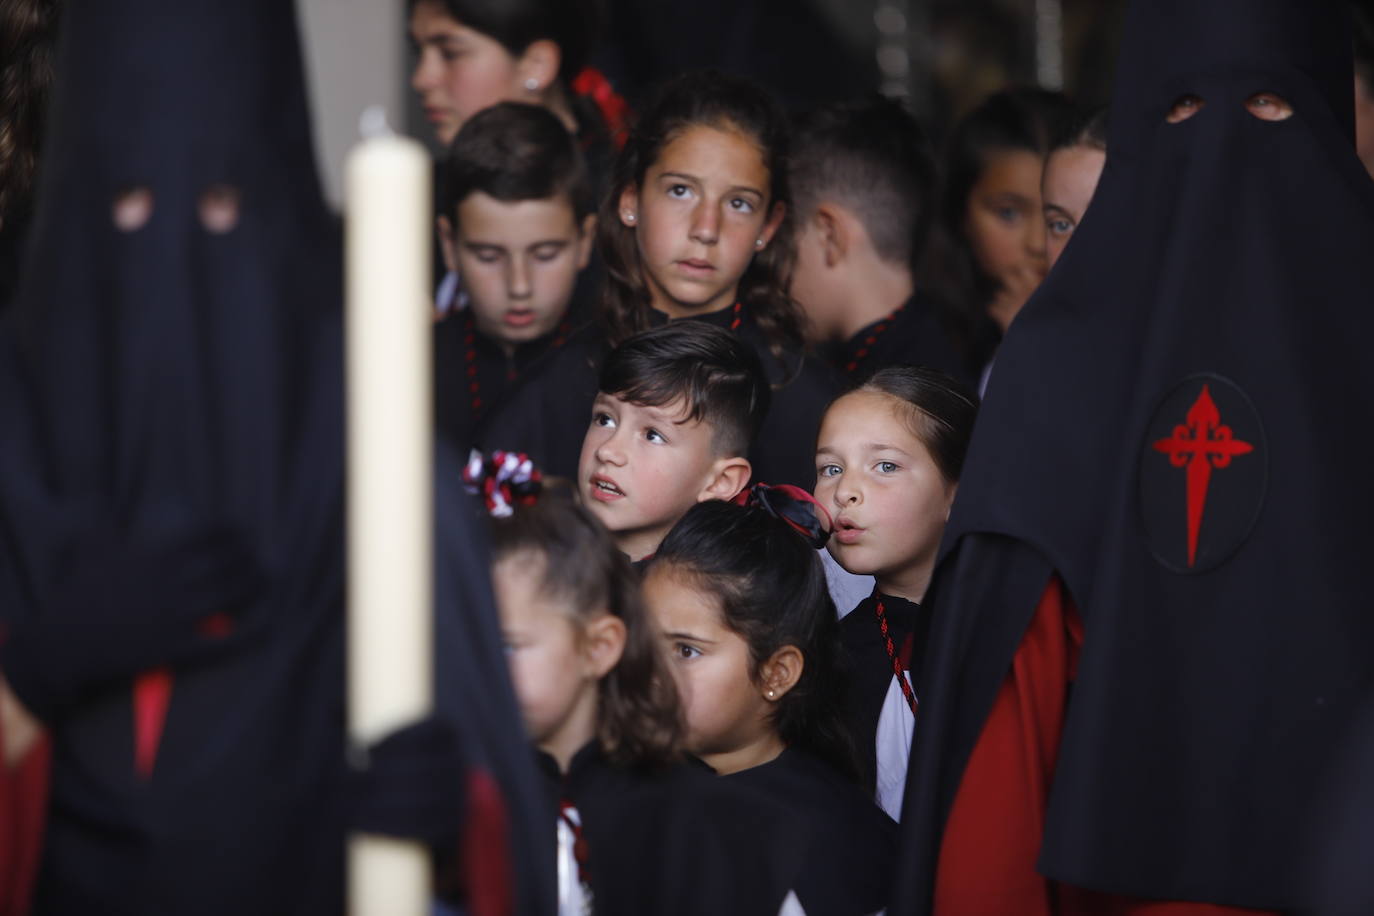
[
  {"x": 675, "y": 840},
  {"x": 546, "y": 416},
  {"x": 914, "y": 334},
  {"x": 1203, "y": 332},
  {"x": 174, "y": 408},
  {"x": 868, "y": 668},
  {"x": 851, "y": 844}
]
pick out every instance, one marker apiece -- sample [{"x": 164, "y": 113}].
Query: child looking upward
[
  {"x": 677, "y": 409},
  {"x": 516, "y": 227}
]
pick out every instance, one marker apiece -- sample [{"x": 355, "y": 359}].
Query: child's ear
[
  {"x": 603, "y": 642},
  {"x": 781, "y": 672},
  {"x": 447, "y": 243},
  {"x": 628, "y": 205},
  {"x": 537, "y": 67},
  {"x": 770, "y": 228},
  {"x": 729, "y": 476},
  {"x": 833, "y": 234},
  {"x": 585, "y": 240}
]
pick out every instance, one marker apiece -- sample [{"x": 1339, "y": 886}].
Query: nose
[
  {"x": 846, "y": 492},
  {"x": 518, "y": 278},
  {"x": 422, "y": 77},
  {"x": 609, "y": 450},
  {"x": 705, "y": 224}
]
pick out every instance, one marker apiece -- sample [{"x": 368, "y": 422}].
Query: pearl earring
[
  {"x": 758, "y": 243},
  {"x": 629, "y": 217},
  {"x": 772, "y": 693},
  {"x": 532, "y": 84}
]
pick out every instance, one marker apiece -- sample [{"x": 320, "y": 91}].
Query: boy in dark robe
[{"x": 1161, "y": 509}]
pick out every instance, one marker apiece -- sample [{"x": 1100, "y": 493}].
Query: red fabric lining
[
  {"x": 992, "y": 839},
  {"x": 487, "y": 873},
  {"x": 152, "y": 696},
  {"x": 23, "y": 812}
]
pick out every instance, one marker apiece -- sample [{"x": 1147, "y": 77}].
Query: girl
[
  {"x": 692, "y": 228},
  {"x": 638, "y": 827},
  {"x": 1071, "y": 174},
  {"x": 742, "y": 603},
  {"x": 887, "y": 465},
  {"x": 988, "y": 253}
]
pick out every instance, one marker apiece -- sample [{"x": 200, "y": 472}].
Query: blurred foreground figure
[
  {"x": 171, "y": 495},
  {"x": 1161, "y": 509}
]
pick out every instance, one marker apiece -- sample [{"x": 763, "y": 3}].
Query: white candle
[{"x": 390, "y": 482}]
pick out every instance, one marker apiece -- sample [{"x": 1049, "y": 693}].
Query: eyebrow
[{"x": 689, "y": 637}]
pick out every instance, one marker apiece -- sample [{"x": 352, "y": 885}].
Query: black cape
[
  {"x": 915, "y": 334},
  {"x": 175, "y": 386},
  {"x": 546, "y": 415},
  {"x": 1216, "y": 293}
]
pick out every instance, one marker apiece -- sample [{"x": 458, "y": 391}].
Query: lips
[
  {"x": 518, "y": 319},
  {"x": 846, "y": 532},
  {"x": 696, "y": 267},
  {"x": 603, "y": 489}
]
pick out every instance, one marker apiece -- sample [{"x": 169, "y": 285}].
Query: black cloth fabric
[
  {"x": 464, "y": 357},
  {"x": 914, "y": 334},
  {"x": 1212, "y": 295},
  {"x": 868, "y": 668},
  {"x": 180, "y": 397},
  {"x": 547, "y": 414},
  {"x": 851, "y": 844},
  {"x": 675, "y": 840}
]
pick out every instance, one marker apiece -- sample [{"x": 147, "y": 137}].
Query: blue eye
[
  {"x": 887, "y": 467},
  {"x": 828, "y": 470},
  {"x": 1059, "y": 226}
]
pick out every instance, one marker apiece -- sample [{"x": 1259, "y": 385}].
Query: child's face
[
  {"x": 887, "y": 496},
  {"x": 642, "y": 468},
  {"x": 1071, "y": 176},
  {"x": 554, "y": 679},
  {"x": 1005, "y": 224},
  {"x": 460, "y": 71},
  {"x": 700, "y": 216},
  {"x": 518, "y": 262},
  {"x": 726, "y": 711}
]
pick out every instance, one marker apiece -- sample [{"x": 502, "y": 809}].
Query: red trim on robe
[
  {"x": 23, "y": 812},
  {"x": 487, "y": 872},
  {"x": 992, "y": 839},
  {"x": 152, "y": 696}
]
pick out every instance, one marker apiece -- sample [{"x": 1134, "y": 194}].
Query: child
[
  {"x": 741, "y": 601},
  {"x": 887, "y": 465},
  {"x": 863, "y": 179},
  {"x": 639, "y": 829},
  {"x": 690, "y": 230},
  {"x": 1071, "y": 174},
  {"x": 677, "y": 410},
  {"x": 989, "y": 251},
  {"x": 516, "y": 226}
]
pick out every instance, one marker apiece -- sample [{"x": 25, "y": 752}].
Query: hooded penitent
[
  {"x": 1172, "y": 428},
  {"x": 171, "y": 484}
]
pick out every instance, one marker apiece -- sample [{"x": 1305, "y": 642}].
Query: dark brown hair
[
  {"x": 938, "y": 410},
  {"x": 713, "y": 371},
  {"x": 27, "y": 39},
  {"x": 773, "y": 593},
  {"x": 638, "y": 717},
  {"x": 708, "y": 99}
]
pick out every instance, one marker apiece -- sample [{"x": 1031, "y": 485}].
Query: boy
[
  {"x": 515, "y": 225},
  {"x": 677, "y": 409},
  {"x": 863, "y": 180}
]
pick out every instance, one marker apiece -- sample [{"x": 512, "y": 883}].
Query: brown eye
[
  {"x": 1184, "y": 108},
  {"x": 132, "y": 208},
  {"x": 1268, "y": 107},
  {"x": 218, "y": 208}
]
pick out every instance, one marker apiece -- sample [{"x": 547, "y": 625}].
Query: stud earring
[
  {"x": 758, "y": 243},
  {"x": 532, "y": 84},
  {"x": 628, "y": 217},
  {"x": 772, "y": 693}
]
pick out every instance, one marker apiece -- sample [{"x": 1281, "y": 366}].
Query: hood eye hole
[
  {"x": 1184, "y": 107},
  {"x": 132, "y": 208},
  {"x": 1269, "y": 107},
  {"x": 218, "y": 208}
]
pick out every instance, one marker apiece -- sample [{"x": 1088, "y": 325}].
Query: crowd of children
[{"x": 715, "y": 371}]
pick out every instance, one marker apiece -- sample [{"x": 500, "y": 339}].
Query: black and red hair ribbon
[
  {"x": 615, "y": 111},
  {"x": 504, "y": 480},
  {"x": 792, "y": 505}
]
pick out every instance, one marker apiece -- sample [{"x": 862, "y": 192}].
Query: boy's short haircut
[
  {"x": 515, "y": 152},
  {"x": 717, "y": 376},
  {"x": 873, "y": 157}
]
